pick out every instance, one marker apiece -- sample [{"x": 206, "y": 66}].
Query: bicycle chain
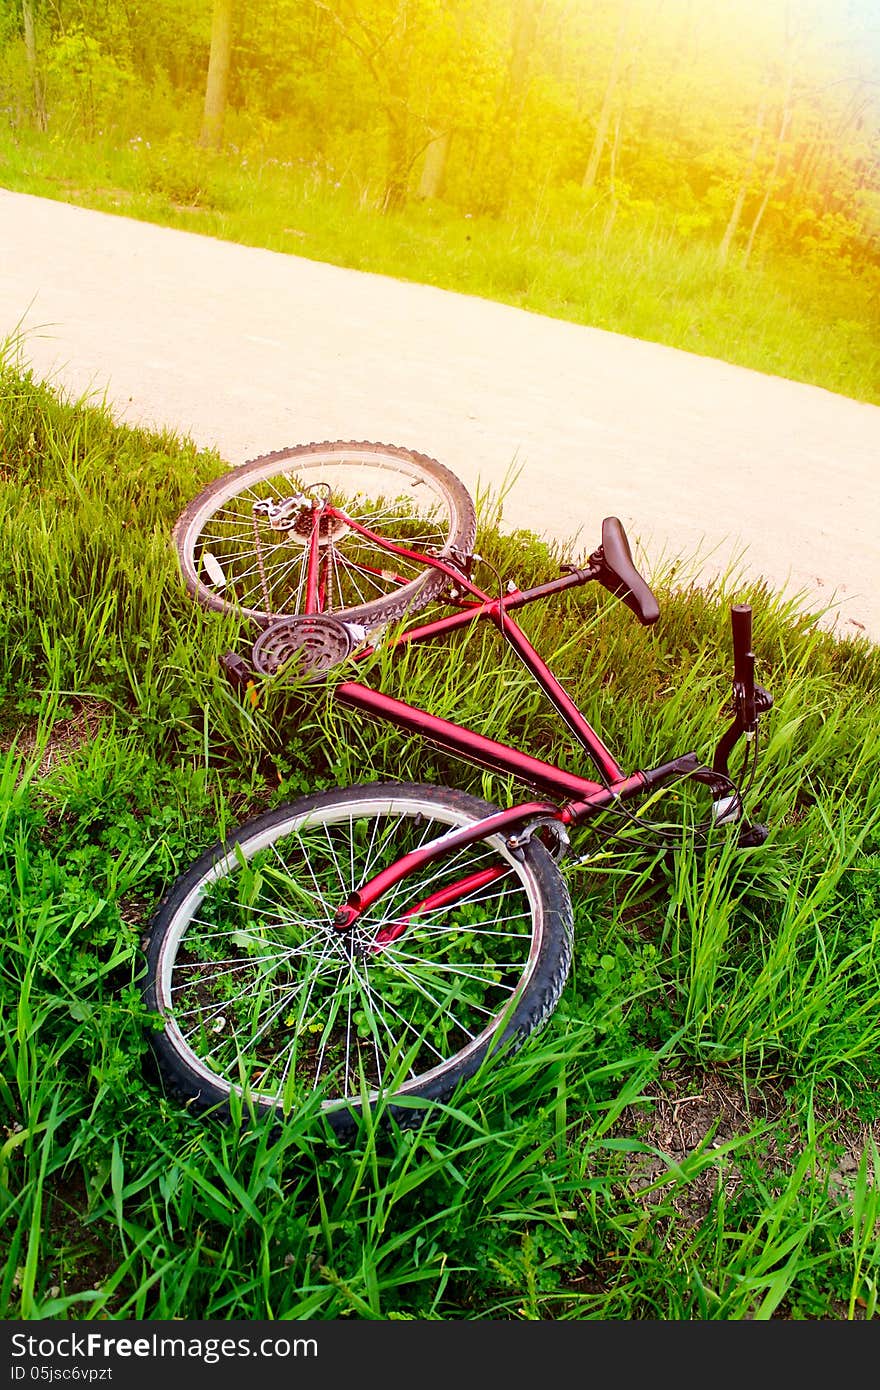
[{"x": 261, "y": 566}]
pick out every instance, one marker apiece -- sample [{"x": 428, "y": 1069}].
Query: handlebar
[{"x": 750, "y": 701}]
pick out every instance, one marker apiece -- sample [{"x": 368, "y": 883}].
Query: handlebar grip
[
  {"x": 741, "y": 623},
  {"x": 744, "y": 660}
]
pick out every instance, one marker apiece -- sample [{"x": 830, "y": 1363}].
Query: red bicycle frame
[{"x": 580, "y": 797}]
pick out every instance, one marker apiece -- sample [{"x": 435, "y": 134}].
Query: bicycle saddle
[{"x": 618, "y": 574}]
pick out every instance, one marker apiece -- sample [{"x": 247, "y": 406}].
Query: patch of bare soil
[
  {"x": 82, "y": 1260},
  {"x": 685, "y": 1115},
  {"x": 709, "y": 1111},
  {"x": 66, "y": 737}
]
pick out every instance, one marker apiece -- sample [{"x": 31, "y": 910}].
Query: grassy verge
[
  {"x": 694, "y": 1134},
  {"x": 785, "y": 318}
]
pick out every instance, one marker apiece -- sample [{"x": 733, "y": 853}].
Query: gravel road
[{"x": 246, "y": 350}]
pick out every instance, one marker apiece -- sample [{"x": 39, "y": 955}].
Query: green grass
[
  {"x": 784, "y": 317},
  {"x": 564, "y": 1183}
]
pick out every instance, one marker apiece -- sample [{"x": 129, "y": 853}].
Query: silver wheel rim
[{"x": 265, "y": 955}]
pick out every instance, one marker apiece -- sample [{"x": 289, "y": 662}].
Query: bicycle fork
[{"x": 517, "y": 824}]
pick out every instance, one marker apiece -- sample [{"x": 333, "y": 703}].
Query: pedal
[
  {"x": 751, "y": 836},
  {"x": 240, "y": 676}
]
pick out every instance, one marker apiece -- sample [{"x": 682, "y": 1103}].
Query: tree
[
  {"x": 524, "y": 23},
  {"x": 608, "y": 99},
  {"x": 434, "y": 168},
  {"x": 36, "y": 76},
  {"x": 405, "y": 46},
  {"x": 746, "y": 179},
  {"x": 217, "y": 84},
  {"x": 782, "y": 133}
]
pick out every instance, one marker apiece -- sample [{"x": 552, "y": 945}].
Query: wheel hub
[{"x": 294, "y": 517}]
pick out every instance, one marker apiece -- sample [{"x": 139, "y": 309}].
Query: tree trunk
[
  {"x": 434, "y": 168},
  {"x": 612, "y": 177},
  {"x": 523, "y": 36},
  {"x": 218, "y": 75},
  {"x": 399, "y": 160},
  {"x": 784, "y": 122},
  {"x": 607, "y": 101},
  {"x": 736, "y": 214},
  {"x": 30, "y": 46}
]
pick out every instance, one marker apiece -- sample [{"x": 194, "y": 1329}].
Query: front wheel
[{"x": 259, "y": 994}]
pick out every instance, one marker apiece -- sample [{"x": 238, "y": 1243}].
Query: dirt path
[{"x": 247, "y": 350}]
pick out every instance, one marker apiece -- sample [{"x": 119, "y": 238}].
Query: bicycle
[{"x": 379, "y": 941}]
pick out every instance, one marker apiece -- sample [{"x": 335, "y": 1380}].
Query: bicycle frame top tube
[{"x": 480, "y": 606}]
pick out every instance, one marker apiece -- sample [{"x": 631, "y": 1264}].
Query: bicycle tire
[
  {"x": 231, "y": 561},
  {"x": 249, "y": 925}
]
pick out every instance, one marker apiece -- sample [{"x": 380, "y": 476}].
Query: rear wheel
[
  {"x": 259, "y": 994},
  {"x": 243, "y": 543}
]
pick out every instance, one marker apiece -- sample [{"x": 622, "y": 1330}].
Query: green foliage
[
  {"x": 178, "y": 172},
  {"x": 495, "y": 108},
  {"x": 86, "y": 79}
]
